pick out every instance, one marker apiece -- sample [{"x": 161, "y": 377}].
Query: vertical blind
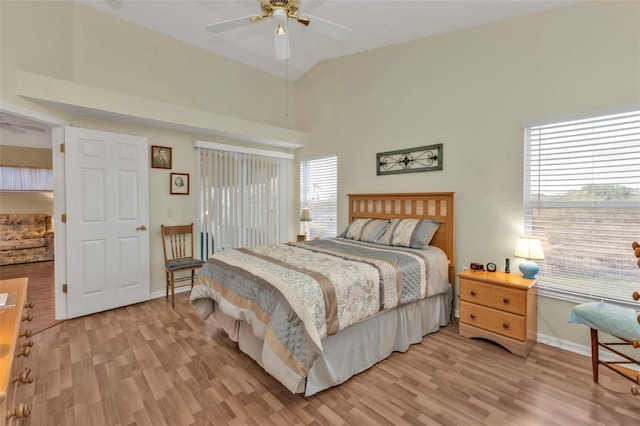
[
  {"x": 319, "y": 192},
  {"x": 241, "y": 198},
  {"x": 582, "y": 197},
  {"x": 26, "y": 179}
]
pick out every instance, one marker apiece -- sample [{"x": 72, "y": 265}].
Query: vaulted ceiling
[{"x": 375, "y": 23}]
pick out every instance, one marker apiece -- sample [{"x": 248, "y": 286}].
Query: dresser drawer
[
  {"x": 473, "y": 291},
  {"x": 499, "y": 322},
  {"x": 12, "y": 353},
  {"x": 514, "y": 301}
]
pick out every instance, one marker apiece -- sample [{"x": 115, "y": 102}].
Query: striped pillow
[
  {"x": 368, "y": 230},
  {"x": 414, "y": 233}
]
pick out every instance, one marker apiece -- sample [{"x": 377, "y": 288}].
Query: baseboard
[
  {"x": 565, "y": 345},
  {"x": 162, "y": 293},
  {"x": 580, "y": 349}
]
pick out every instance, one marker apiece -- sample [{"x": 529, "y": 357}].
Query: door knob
[{"x": 141, "y": 228}]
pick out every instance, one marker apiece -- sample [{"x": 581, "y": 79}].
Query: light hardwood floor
[{"x": 148, "y": 364}]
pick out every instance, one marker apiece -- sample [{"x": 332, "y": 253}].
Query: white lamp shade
[
  {"x": 305, "y": 215},
  {"x": 529, "y": 248}
]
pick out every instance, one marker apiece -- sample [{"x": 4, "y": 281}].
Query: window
[
  {"x": 244, "y": 197},
  {"x": 319, "y": 192},
  {"x": 26, "y": 179},
  {"x": 582, "y": 197}
]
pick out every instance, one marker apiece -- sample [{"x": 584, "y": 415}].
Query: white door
[{"x": 107, "y": 197}]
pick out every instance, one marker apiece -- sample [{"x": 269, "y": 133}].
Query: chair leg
[
  {"x": 166, "y": 284},
  {"x": 173, "y": 291},
  {"x": 595, "y": 360}
]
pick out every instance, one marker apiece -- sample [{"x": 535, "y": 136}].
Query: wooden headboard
[{"x": 423, "y": 205}]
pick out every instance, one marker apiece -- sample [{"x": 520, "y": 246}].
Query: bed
[{"x": 315, "y": 313}]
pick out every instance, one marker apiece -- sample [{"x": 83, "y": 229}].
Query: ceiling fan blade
[
  {"x": 231, "y": 24},
  {"x": 328, "y": 28},
  {"x": 281, "y": 42},
  {"x": 11, "y": 128}
]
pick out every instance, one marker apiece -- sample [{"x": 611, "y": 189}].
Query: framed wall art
[
  {"x": 411, "y": 160},
  {"x": 160, "y": 157},
  {"x": 179, "y": 183}
]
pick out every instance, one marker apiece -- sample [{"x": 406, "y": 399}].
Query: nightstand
[{"x": 499, "y": 307}]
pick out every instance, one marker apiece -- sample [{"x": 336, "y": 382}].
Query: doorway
[{"x": 28, "y": 143}]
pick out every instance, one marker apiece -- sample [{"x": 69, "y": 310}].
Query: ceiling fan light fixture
[
  {"x": 279, "y": 15},
  {"x": 281, "y": 42}
]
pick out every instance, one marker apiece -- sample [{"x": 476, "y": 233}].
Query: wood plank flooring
[
  {"x": 148, "y": 364},
  {"x": 40, "y": 293}
]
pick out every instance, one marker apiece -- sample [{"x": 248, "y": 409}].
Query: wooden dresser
[
  {"x": 499, "y": 307},
  {"x": 15, "y": 346}
]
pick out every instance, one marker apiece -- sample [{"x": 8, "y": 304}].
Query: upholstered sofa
[{"x": 25, "y": 238}]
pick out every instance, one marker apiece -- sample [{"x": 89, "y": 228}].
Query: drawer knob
[
  {"x": 24, "y": 377},
  {"x": 635, "y": 343},
  {"x": 636, "y": 295},
  {"x": 634, "y": 390},
  {"x": 20, "y": 412},
  {"x": 27, "y": 317},
  {"x": 23, "y": 352},
  {"x": 29, "y": 305},
  {"x": 29, "y": 344},
  {"x": 473, "y": 293},
  {"x": 505, "y": 325},
  {"x": 27, "y": 333},
  {"x": 638, "y": 319},
  {"x": 505, "y": 300}
]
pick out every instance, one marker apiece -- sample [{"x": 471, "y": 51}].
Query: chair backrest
[{"x": 177, "y": 241}]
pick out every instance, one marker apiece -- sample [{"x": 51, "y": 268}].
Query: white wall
[{"x": 471, "y": 91}]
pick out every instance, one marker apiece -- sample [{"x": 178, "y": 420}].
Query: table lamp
[
  {"x": 305, "y": 216},
  {"x": 529, "y": 248}
]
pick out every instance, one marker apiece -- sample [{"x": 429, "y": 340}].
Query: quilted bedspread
[{"x": 294, "y": 295}]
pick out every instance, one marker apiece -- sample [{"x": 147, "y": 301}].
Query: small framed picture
[
  {"x": 160, "y": 157},
  {"x": 179, "y": 183}
]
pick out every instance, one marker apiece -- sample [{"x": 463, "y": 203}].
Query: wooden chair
[
  {"x": 177, "y": 243},
  {"x": 617, "y": 315}
]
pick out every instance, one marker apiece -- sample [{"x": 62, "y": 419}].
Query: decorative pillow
[
  {"x": 414, "y": 233},
  {"x": 368, "y": 230}
]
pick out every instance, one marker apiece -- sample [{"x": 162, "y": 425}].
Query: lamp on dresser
[{"x": 530, "y": 249}]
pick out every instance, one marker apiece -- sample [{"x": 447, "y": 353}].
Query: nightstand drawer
[
  {"x": 473, "y": 291},
  {"x": 499, "y": 322},
  {"x": 514, "y": 301}
]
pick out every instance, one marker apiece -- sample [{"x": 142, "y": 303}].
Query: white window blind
[
  {"x": 319, "y": 192},
  {"x": 26, "y": 179},
  {"x": 582, "y": 197},
  {"x": 242, "y": 196}
]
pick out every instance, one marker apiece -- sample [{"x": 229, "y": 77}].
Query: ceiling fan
[
  {"x": 281, "y": 11},
  {"x": 18, "y": 128}
]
